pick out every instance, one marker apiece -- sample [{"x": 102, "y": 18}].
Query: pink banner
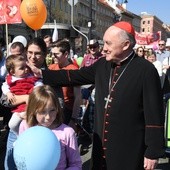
[
  {"x": 9, "y": 11},
  {"x": 147, "y": 39}
]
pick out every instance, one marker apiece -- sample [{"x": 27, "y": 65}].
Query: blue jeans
[{"x": 9, "y": 163}]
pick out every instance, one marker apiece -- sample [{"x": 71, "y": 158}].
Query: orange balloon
[{"x": 34, "y": 13}]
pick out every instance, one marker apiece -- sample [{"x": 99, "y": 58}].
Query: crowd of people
[
  {"x": 160, "y": 59},
  {"x": 115, "y": 91}
]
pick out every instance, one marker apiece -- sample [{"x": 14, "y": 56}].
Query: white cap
[
  {"x": 20, "y": 39},
  {"x": 93, "y": 42}
]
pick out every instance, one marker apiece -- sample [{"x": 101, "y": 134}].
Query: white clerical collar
[{"x": 125, "y": 58}]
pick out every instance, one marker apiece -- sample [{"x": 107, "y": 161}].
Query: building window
[
  {"x": 143, "y": 22},
  {"x": 66, "y": 8},
  {"x": 148, "y": 22},
  {"x": 143, "y": 29},
  {"x": 148, "y": 29},
  {"x": 61, "y": 6}
]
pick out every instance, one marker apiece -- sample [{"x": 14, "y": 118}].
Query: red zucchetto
[{"x": 125, "y": 26}]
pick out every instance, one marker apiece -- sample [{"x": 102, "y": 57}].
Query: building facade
[
  {"x": 90, "y": 17},
  {"x": 152, "y": 24}
]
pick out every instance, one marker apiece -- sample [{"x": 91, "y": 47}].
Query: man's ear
[
  {"x": 66, "y": 53},
  {"x": 126, "y": 45}
]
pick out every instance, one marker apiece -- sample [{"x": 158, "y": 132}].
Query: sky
[{"x": 159, "y": 8}]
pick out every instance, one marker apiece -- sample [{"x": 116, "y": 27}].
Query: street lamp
[{"x": 89, "y": 24}]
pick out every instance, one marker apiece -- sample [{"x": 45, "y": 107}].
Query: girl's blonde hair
[{"x": 37, "y": 102}]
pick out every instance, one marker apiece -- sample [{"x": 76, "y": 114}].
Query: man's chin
[{"x": 109, "y": 58}]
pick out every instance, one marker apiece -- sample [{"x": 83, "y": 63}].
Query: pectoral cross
[{"x": 107, "y": 99}]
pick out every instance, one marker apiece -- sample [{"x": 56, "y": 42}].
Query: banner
[
  {"x": 9, "y": 11},
  {"x": 147, "y": 39}
]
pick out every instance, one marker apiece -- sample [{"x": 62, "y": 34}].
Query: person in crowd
[
  {"x": 44, "y": 110},
  {"x": 17, "y": 48},
  {"x": 164, "y": 57},
  {"x": 19, "y": 81},
  {"x": 140, "y": 52},
  {"x": 3, "y": 111},
  {"x": 36, "y": 52},
  {"x": 161, "y": 71},
  {"x": 152, "y": 58},
  {"x": 3, "y": 47},
  {"x": 93, "y": 55},
  {"x": 162, "y": 53},
  {"x": 48, "y": 41},
  {"x": 90, "y": 58},
  {"x": 21, "y": 39},
  {"x": 129, "y": 115},
  {"x": 72, "y": 95},
  {"x": 3, "y": 70},
  {"x": 158, "y": 65}
]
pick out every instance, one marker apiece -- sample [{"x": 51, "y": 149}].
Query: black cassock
[{"x": 131, "y": 126}]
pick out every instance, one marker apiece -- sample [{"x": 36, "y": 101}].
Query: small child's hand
[
  {"x": 11, "y": 97},
  {"x": 23, "y": 115}
]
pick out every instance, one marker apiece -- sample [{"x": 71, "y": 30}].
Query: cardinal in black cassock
[{"x": 129, "y": 115}]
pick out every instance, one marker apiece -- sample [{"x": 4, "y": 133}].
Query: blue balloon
[{"x": 37, "y": 148}]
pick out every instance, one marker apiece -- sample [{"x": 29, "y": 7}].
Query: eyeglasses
[
  {"x": 161, "y": 44},
  {"x": 140, "y": 51}
]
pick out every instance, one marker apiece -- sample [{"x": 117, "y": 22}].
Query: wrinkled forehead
[{"x": 111, "y": 32}]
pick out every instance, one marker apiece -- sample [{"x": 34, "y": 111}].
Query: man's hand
[
  {"x": 150, "y": 164},
  {"x": 36, "y": 71}
]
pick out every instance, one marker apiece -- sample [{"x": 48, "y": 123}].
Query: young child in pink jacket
[{"x": 44, "y": 110}]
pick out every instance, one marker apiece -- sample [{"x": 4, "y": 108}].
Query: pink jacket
[{"x": 69, "y": 149}]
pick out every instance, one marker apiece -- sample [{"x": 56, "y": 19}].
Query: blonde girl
[{"x": 44, "y": 110}]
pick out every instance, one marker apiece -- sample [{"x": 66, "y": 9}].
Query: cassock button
[
  {"x": 107, "y": 114},
  {"x": 105, "y": 140},
  {"x": 108, "y": 106},
  {"x": 105, "y": 131},
  {"x": 104, "y": 156},
  {"x": 104, "y": 148},
  {"x": 107, "y": 123}
]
